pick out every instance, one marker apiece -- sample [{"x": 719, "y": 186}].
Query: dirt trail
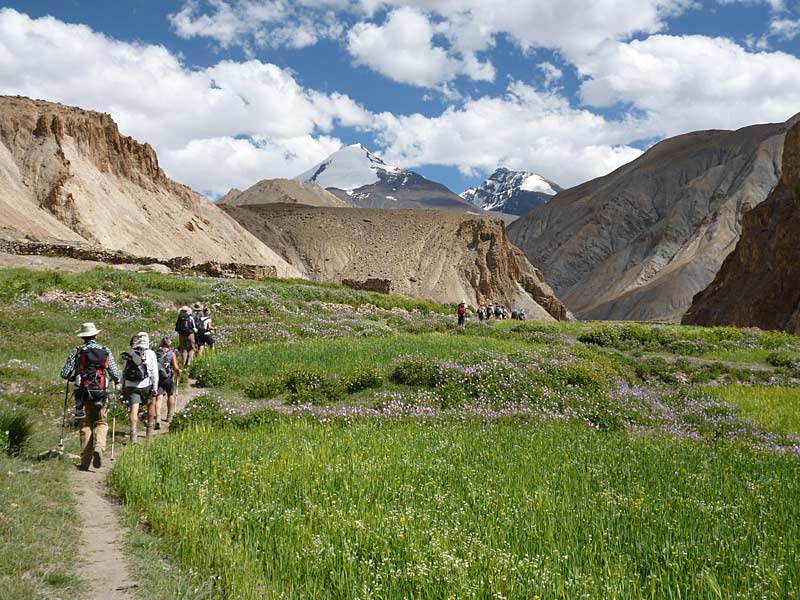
[{"x": 102, "y": 535}]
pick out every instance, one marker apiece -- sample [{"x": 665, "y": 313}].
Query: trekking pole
[
  {"x": 113, "y": 423},
  {"x": 64, "y": 417}
]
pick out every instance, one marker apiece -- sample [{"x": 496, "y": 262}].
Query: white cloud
[
  {"x": 524, "y": 129},
  {"x": 685, "y": 83},
  {"x": 156, "y": 98},
  {"x": 216, "y": 165},
  {"x": 775, "y": 5},
  {"x": 402, "y": 49},
  {"x": 552, "y": 74}
]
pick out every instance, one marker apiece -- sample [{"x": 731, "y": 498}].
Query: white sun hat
[
  {"x": 87, "y": 330},
  {"x": 142, "y": 340}
]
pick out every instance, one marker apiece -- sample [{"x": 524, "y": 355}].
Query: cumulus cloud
[
  {"x": 156, "y": 98},
  {"x": 552, "y": 74},
  {"x": 684, "y": 83},
  {"x": 402, "y": 49},
  {"x": 523, "y": 129}
]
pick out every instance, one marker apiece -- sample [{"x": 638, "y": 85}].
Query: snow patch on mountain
[
  {"x": 348, "y": 169},
  {"x": 513, "y": 192}
]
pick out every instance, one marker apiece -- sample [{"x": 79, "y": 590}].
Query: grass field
[
  {"x": 373, "y": 509},
  {"x": 387, "y": 453}
]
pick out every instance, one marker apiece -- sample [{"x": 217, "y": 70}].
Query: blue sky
[{"x": 233, "y": 91}]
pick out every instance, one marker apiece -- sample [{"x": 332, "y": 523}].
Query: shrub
[
  {"x": 416, "y": 369},
  {"x": 208, "y": 374},
  {"x": 687, "y": 347},
  {"x": 655, "y": 368},
  {"x": 328, "y": 391},
  {"x": 297, "y": 379},
  {"x": 15, "y": 429},
  {"x": 604, "y": 335},
  {"x": 364, "y": 378},
  {"x": 783, "y": 358},
  {"x": 203, "y": 410},
  {"x": 261, "y": 387},
  {"x": 257, "y": 418}
]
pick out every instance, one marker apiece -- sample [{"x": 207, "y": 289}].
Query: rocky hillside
[
  {"x": 640, "y": 242},
  {"x": 442, "y": 255},
  {"x": 759, "y": 283},
  {"x": 512, "y": 192},
  {"x": 68, "y": 174},
  {"x": 282, "y": 191},
  {"x": 361, "y": 178}
]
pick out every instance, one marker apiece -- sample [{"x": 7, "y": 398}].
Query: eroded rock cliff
[
  {"x": 759, "y": 283},
  {"x": 442, "y": 255},
  {"x": 69, "y": 174},
  {"x": 640, "y": 242}
]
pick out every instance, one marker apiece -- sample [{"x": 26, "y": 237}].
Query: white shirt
[{"x": 152, "y": 372}]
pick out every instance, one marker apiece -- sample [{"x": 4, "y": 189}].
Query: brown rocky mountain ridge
[
  {"x": 759, "y": 282},
  {"x": 68, "y": 174},
  {"x": 443, "y": 255},
  {"x": 640, "y": 242},
  {"x": 286, "y": 191}
]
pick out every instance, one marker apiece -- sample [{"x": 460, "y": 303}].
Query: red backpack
[
  {"x": 462, "y": 309},
  {"x": 92, "y": 366}
]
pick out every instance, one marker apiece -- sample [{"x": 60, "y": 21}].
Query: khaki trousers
[{"x": 94, "y": 430}]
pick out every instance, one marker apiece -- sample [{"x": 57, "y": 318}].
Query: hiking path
[{"x": 102, "y": 535}]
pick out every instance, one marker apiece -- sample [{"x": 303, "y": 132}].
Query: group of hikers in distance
[
  {"x": 488, "y": 311},
  {"x": 146, "y": 379}
]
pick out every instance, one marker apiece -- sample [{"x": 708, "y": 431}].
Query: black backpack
[
  {"x": 184, "y": 324},
  {"x": 135, "y": 365},
  {"x": 164, "y": 358},
  {"x": 199, "y": 323},
  {"x": 92, "y": 365}
]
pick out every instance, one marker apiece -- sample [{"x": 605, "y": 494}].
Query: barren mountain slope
[
  {"x": 641, "y": 241},
  {"x": 285, "y": 191},
  {"x": 759, "y": 283},
  {"x": 69, "y": 174},
  {"x": 442, "y": 255}
]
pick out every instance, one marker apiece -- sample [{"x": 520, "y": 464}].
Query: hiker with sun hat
[
  {"x": 186, "y": 329},
  {"x": 90, "y": 365},
  {"x": 141, "y": 382}
]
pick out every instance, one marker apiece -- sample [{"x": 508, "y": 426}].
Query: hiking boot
[
  {"x": 97, "y": 458},
  {"x": 169, "y": 417},
  {"x": 134, "y": 437},
  {"x": 83, "y": 467},
  {"x": 157, "y": 426}
]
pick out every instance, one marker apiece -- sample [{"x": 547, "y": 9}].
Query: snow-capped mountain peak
[
  {"x": 513, "y": 192},
  {"x": 349, "y": 168}
]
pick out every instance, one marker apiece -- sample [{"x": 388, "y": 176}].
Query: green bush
[
  {"x": 208, "y": 374},
  {"x": 416, "y": 370},
  {"x": 783, "y": 358},
  {"x": 261, "y": 387},
  {"x": 257, "y": 418},
  {"x": 203, "y": 410},
  {"x": 364, "y": 378},
  {"x": 297, "y": 379},
  {"x": 326, "y": 392},
  {"x": 655, "y": 368},
  {"x": 15, "y": 429},
  {"x": 604, "y": 335}
]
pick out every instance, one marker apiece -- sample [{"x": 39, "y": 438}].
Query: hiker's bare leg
[
  {"x": 158, "y": 406},
  {"x": 171, "y": 405}
]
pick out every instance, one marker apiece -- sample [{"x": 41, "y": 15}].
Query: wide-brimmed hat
[
  {"x": 197, "y": 306},
  {"x": 141, "y": 340},
  {"x": 184, "y": 309},
  {"x": 87, "y": 330},
  {"x": 463, "y": 302}
]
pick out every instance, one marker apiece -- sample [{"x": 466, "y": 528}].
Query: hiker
[
  {"x": 186, "y": 329},
  {"x": 489, "y": 310},
  {"x": 205, "y": 331},
  {"x": 498, "y": 311},
  {"x": 199, "y": 332},
  {"x": 462, "y": 312},
  {"x": 481, "y": 312},
  {"x": 89, "y": 366},
  {"x": 141, "y": 382},
  {"x": 514, "y": 314},
  {"x": 521, "y": 315},
  {"x": 168, "y": 374}
]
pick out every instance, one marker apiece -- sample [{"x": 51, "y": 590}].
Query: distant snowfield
[
  {"x": 347, "y": 169},
  {"x": 536, "y": 183}
]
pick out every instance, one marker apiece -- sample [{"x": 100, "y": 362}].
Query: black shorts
[
  {"x": 166, "y": 386},
  {"x": 207, "y": 340}
]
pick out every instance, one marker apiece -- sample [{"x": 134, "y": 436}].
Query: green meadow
[{"x": 354, "y": 445}]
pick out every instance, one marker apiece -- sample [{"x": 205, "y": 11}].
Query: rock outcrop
[
  {"x": 441, "y": 255},
  {"x": 759, "y": 283},
  {"x": 69, "y": 174},
  {"x": 282, "y": 191},
  {"x": 640, "y": 242}
]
